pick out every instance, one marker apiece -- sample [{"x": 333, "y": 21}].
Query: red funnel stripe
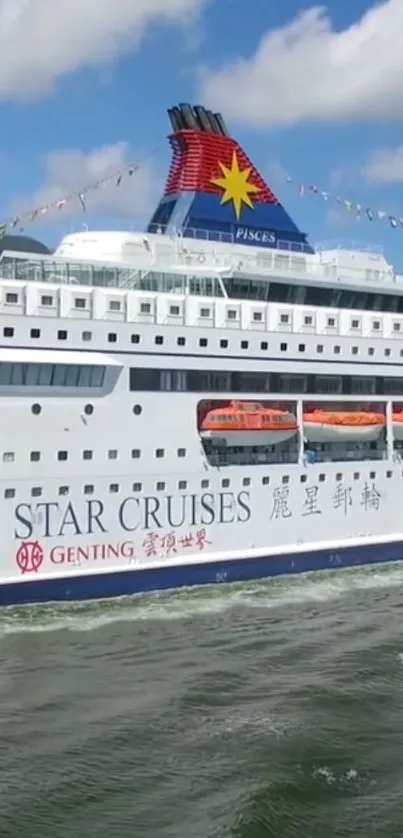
[{"x": 195, "y": 162}]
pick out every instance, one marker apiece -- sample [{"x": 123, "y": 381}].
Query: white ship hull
[{"x": 74, "y": 549}]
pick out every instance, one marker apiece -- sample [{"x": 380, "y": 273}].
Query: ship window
[
  {"x": 356, "y": 475},
  {"x": 11, "y": 298},
  {"x": 160, "y": 453},
  {"x": 322, "y": 478},
  {"x": 62, "y": 455},
  {"x": 363, "y": 385},
  {"x": 205, "y": 484},
  {"x": 35, "y": 333},
  {"x": 355, "y": 324},
  {"x": 372, "y": 475},
  {"x": 225, "y": 483},
  {"x": 136, "y": 453},
  {"x": 9, "y": 493},
  {"x": 114, "y": 488},
  {"x": 376, "y": 325},
  {"x": 392, "y": 386},
  {"x": 244, "y": 344},
  {"x": 181, "y": 341},
  {"x": 354, "y": 350},
  {"x": 46, "y": 375},
  {"x": 158, "y": 339},
  {"x": 46, "y": 301},
  {"x": 174, "y": 311},
  {"x": 285, "y": 478},
  {"x": 87, "y": 455},
  {"x": 303, "y": 478},
  {"x": 182, "y": 485},
  {"x": 336, "y": 350},
  {"x": 36, "y": 492},
  {"x": 160, "y": 487},
  {"x": 115, "y": 305},
  {"x": 371, "y": 350},
  {"x": 232, "y": 314},
  {"x": 264, "y": 345},
  {"x": 396, "y": 327},
  {"x": 292, "y": 383},
  {"x": 181, "y": 452},
  {"x": 224, "y": 344},
  {"x": 135, "y": 338},
  {"x": 62, "y": 334},
  {"x": 205, "y": 312},
  {"x": 86, "y": 335},
  {"x": 113, "y": 454},
  {"x": 331, "y": 322},
  {"x": 301, "y": 347},
  {"x": 112, "y": 337},
  {"x": 64, "y": 490},
  {"x": 319, "y": 347},
  {"x": 8, "y": 457},
  {"x": 89, "y": 409},
  {"x": 308, "y": 320},
  {"x": 8, "y": 332},
  {"x": 89, "y": 489},
  {"x": 35, "y": 456},
  {"x": 246, "y": 481},
  {"x": 265, "y": 481},
  {"x": 257, "y": 316},
  {"x": 80, "y": 302},
  {"x": 36, "y": 409},
  {"x": 339, "y": 477},
  {"x": 145, "y": 308},
  {"x": 137, "y": 409},
  {"x": 136, "y": 487},
  {"x": 328, "y": 383},
  {"x": 203, "y": 342},
  {"x": 387, "y": 353},
  {"x": 389, "y": 474}
]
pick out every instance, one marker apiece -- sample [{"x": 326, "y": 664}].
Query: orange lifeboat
[
  {"x": 248, "y": 424},
  {"x": 397, "y": 421},
  {"x": 342, "y": 426}
]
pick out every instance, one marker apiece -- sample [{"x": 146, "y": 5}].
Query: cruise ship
[{"x": 211, "y": 400}]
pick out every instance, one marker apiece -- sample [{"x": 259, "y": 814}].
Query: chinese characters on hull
[{"x": 343, "y": 499}]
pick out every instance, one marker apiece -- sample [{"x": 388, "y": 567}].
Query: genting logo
[{"x": 29, "y": 557}]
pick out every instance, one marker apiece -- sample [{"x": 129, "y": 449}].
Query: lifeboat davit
[
  {"x": 248, "y": 424},
  {"x": 342, "y": 426},
  {"x": 397, "y": 421}
]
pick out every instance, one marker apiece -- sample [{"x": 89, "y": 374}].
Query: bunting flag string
[
  {"x": 360, "y": 210},
  {"x": 81, "y": 196}
]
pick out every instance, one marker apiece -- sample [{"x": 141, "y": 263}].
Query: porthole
[
  {"x": 137, "y": 409},
  {"x": 36, "y": 409},
  {"x": 9, "y": 493},
  {"x": 89, "y": 409}
]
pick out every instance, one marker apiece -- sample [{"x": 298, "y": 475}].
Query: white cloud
[
  {"x": 41, "y": 40},
  {"x": 385, "y": 166},
  {"x": 306, "y": 70},
  {"x": 69, "y": 171}
]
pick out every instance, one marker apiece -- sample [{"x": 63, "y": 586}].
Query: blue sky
[{"x": 321, "y": 101}]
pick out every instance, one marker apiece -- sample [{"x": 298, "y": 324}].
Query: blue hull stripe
[{"x": 129, "y": 582}]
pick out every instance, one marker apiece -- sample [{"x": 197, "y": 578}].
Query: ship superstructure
[{"x": 210, "y": 400}]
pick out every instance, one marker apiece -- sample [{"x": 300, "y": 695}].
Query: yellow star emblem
[{"x": 235, "y": 185}]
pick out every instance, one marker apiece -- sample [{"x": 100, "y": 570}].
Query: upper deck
[{"x": 204, "y": 266}]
